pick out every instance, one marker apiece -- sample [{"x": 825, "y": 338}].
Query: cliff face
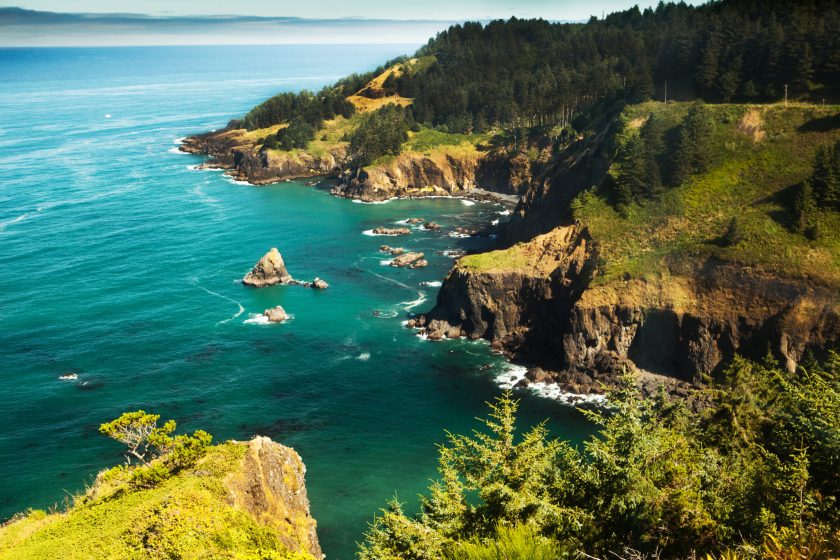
[
  {"x": 538, "y": 302},
  {"x": 411, "y": 175},
  {"x": 234, "y": 151},
  {"x": 270, "y": 486},
  {"x": 242, "y": 500},
  {"x": 444, "y": 172}
]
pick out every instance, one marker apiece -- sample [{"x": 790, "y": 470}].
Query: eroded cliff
[{"x": 538, "y": 302}]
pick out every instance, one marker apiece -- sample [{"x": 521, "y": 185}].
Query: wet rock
[
  {"x": 431, "y": 226},
  {"x": 276, "y": 314},
  {"x": 538, "y": 375},
  {"x": 414, "y": 221},
  {"x": 319, "y": 284},
  {"x": 420, "y": 263},
  {"x": 268, "y": 271}
]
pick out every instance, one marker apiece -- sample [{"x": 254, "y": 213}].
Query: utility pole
[
  {"x": 666, "y": 92},
  {"x": 624, "y": 81},
  {"x": 786, "y": 95}
]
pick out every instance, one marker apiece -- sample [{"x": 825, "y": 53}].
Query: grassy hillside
[
  {"x": 760, "y": 155},
  {"x": 190, "y": 515}
]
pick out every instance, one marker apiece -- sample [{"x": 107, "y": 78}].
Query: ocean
[{"x": 120, "y": 263}]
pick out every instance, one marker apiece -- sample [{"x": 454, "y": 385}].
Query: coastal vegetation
[
  {"x": 184, "y": 499},
  {"x": 732, "y": 167},
  {"x": 746, "y": 468}
]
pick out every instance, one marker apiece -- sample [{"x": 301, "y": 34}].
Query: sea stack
[{"x": 270, "y": 270}]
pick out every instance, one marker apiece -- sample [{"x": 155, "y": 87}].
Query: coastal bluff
[{"x": 241, "y": 500}]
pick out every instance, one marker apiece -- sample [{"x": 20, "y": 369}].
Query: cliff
[
  {"x": 242, "y": 500},
  {"x": 585, "y": 289},
  {"x": 240, "y": 153}
]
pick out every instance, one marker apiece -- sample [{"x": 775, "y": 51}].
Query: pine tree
[
  {"x": 694, "y": 149},
  {"x": 805, "y": 211}
]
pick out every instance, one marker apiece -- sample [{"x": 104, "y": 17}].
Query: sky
[
  {"x": 321, "y": 9},
  {"x": 258, "y": 22}
]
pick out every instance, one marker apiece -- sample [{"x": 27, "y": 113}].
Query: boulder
[
  {"x": 319, "y": 284},
  {"x": 275, "y": 314},
  {"x": 431, "y": 226},
  {"x": 268, "y": 271},
  {"x": 538, "y": 375},
  {"x": 419, "y": 263},
  {"x": 414, "y": 221}
]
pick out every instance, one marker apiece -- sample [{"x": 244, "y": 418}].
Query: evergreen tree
[
  {"x": 694, "y": 149},
  {"x": 805, "y": 211}
]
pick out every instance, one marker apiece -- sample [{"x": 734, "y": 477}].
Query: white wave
[
  {"x": 217, "y": 294},
  {"x": 458, "y": 235},
  {"x": 467, "y": 202},
  {"x": 494, "y": 223},
  {"x": 386, "y": 201},
  {"x": 432, "y": 284},
  {"x": 452, "y": 254},
  {"x": 385, "y": 262},
  {"x": 68, "y": 377},
  {"x": 363, "y": 357},
  {"x": 554, "y": 392},
  {"x": 513, "y": 374},
  {"x": 503, "y": 212},
  {"x": 20, "y": 218},
  {"x": 176, "y": 150},
  {"x": 260, "y": 319},
  {"x": 256, "y": 319},
  {"x": 387, "y": 315},
  {"x": 179, "y": 141},
  {"x": 234, "y": 181},
  {"x": 409, "y": 305}
]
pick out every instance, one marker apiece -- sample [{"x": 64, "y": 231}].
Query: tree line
[
  {"x": 532, "y": 72},
  {"x": 751, "y": 471}
]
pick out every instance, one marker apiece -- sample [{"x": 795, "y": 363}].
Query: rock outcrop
[
  {"x": 538, "y": 302},
  {"x": 319, "y": 284},
  {"x": 241, "y": 500},
  {"x": 276, "y": 314},
  {"x": 391, "y": 231},
  {"x": 269, "y": 271},
  {"x": 270, "y": 486},
  {"x": 407, "y": 259},
  {"x": 233, "y": 150}
]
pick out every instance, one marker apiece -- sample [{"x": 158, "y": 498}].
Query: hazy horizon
[{"x": 100, "y": 23}]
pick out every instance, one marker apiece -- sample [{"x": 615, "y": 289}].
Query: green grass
[
  {"x": 188, "y": 516},
  {"x": 429, "y": 139},
  {"x": 513, "y": 258},
  {"x": 748, "y": 180}
]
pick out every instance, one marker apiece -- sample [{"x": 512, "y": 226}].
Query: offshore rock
[
  {"x": 319, "y": 284},
  {"x": 276, "y": 314},
  {"x": 391, "y": 231},
  {"x": 406, "y": 259},
  {"x": 268, "y": 271}
]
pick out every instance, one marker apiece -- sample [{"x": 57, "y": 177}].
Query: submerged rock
[
  {"x": 276, "y": 314},
  {"x": 414, "y": 221},
  {"x": 392, "y": 250},
  {"x": 268, "y": 271},
  {"x": 420, "y": 263}
]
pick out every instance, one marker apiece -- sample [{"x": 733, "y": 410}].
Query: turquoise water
[{"x": 120, "y": 263}]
